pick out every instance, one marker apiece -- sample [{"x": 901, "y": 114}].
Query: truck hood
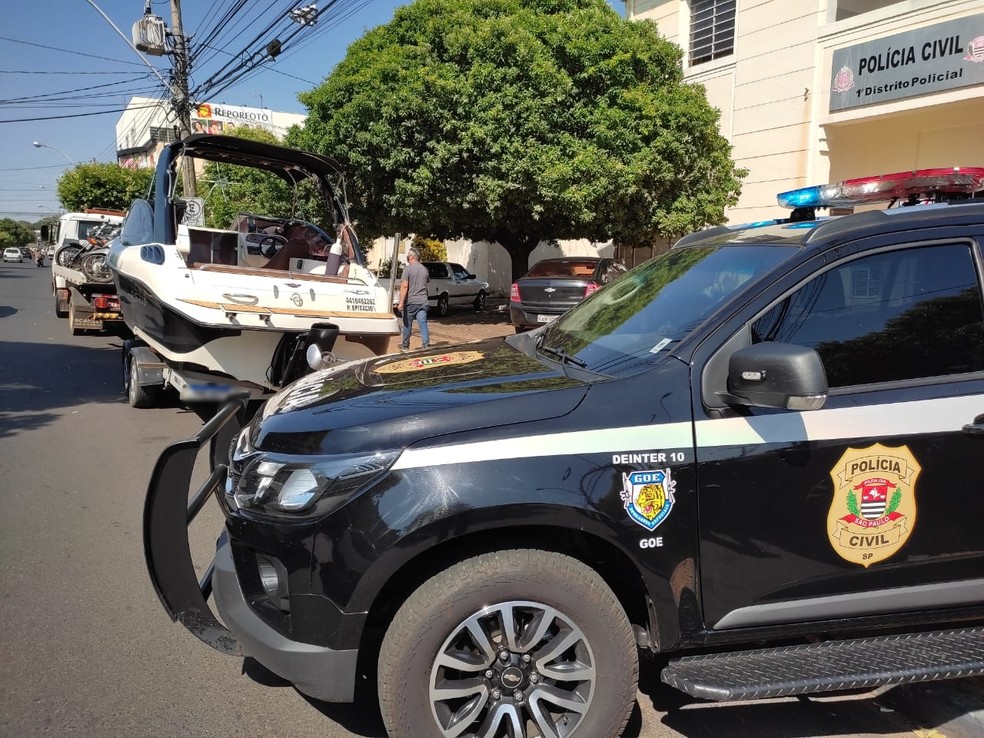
[{"x": 392, "y": 401}]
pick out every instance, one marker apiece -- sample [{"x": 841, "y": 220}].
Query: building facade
[
  {"x": 817, "y": 91},
  {"x": 147, "y": 124}
]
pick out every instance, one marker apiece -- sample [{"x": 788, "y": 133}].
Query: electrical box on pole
[{"x": 150, "y": 35}]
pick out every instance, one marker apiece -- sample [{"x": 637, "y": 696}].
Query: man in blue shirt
[{"x": 413, "y": 299}]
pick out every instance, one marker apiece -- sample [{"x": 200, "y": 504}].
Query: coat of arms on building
[
  {"x": 843, "y": 81},
  {"x": 874, "y": 505}
]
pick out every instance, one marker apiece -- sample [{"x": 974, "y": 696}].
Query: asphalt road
[{"x": 87, "y": 650}]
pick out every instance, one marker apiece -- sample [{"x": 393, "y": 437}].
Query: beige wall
[
  {"x": 489, "y": 261},
  {"x": 773, "y": 94}
]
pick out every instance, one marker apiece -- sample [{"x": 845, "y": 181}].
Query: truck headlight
[{"x": 282, "y": 487}]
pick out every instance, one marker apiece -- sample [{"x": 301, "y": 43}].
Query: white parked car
[
  {"x": 12, "y": 254},
  {"x": 449, "y": 284},
  {"x": 452, "y": 284}
]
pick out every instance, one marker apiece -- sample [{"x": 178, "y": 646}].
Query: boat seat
[{"x": 212, "y": 246}]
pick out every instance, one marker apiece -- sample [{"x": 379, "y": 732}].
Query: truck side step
[{"x": 833, "y": 665}]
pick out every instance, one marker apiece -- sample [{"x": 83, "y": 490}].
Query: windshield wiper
[{"x": 560, "y": 354}]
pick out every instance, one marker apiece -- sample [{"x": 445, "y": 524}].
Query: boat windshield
[{"x": 627, "y": 324}]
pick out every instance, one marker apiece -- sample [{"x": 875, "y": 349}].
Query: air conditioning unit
[{"x": 150, "y": 35}]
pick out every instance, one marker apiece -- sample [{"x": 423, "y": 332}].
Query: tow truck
[
  {"x": 755, "y": 454},
  {"x": 80, "y": 281}
]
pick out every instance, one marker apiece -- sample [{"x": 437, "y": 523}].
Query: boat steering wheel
[{"x": 271, "y": 243}]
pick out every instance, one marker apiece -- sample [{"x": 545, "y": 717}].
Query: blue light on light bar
[{"x": 805, "y": 197}]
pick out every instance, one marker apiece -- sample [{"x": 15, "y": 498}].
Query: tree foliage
[
  {"x": 230, "y": 189},
  {"x": 102, "y": 185},
  {"x": 430, "y": 249},
  {"x": 15, "y": 233},
  {"x": 520, "y": 121}
]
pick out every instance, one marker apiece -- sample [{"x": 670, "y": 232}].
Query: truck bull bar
[{"x": 168, "y": 513}]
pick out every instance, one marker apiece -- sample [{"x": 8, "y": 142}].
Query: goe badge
[{"x": 648, "y": 496}]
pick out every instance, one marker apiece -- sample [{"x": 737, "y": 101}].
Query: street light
[{"x": 38, "y": 145}]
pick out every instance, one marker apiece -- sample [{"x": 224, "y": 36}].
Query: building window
[
  {"x": 712, "y": 29},
  {"x": 162, "y": 134},
  {"x": 850, "y": 8}
]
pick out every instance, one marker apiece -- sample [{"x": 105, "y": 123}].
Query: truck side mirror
[
  {"x": 779, "y": 375},
  {"x": 45, "y": 233}
]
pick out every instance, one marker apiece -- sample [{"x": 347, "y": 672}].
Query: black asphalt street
[{"x": 87, "y": 650}]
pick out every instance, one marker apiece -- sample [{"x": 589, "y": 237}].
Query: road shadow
[
  {"x": 957, "y": 705},
  {"x": 496, "y": 312},
  {"x": 40, "y": 380},
  {"x": 360, "y": 718}
]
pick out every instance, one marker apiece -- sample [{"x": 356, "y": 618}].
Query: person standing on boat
[{"x": 413, "y": 299}]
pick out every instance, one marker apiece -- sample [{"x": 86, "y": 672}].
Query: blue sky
[{"x": 76, "y": 34}]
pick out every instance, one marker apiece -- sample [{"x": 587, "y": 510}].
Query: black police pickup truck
[{"x": 757, "y": 452}]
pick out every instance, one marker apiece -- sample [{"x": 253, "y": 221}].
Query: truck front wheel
[{"x": 526, "y": 643}]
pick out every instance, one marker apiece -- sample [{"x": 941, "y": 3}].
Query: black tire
[
  {"x": 138, "y": 396},
  {"x": 479, "y": 302},
  {"x": 442, "y": 305},
  {"x": 71, "y": 320},
  {"x": 61, "y": 308},
  {"x": 560, "y": 593}
]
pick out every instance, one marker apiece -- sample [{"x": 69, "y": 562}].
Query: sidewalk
[{"x": 465, "y": 324}]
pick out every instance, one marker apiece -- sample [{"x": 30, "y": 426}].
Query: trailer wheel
[
  {"x": 61, "y": 306},
  {"x": 71, "y": 320},
  {"x": 527, "y": 642},
  {"x": 137, "y": 395}
]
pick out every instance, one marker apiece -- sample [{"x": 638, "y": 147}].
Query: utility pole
[{"x": 182, "y": 105}]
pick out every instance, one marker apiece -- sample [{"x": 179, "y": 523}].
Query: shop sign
[{"x": 944, "y": 56}]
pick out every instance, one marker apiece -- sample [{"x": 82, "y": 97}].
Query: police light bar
[{"x": 921, "y": 182}]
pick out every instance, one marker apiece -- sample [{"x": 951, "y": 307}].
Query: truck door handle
[{"x": 976, "y": 428}]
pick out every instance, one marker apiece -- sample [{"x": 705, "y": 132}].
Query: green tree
[
  {"x": 521, "y": 121},
  {"x": 102, "y": 185},
  {"x": 15, "y": 233},
  {"x": 430, "y": 249},
  {"x": 230, "y": 189}
]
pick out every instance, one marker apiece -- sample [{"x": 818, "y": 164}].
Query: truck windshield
[{"x": 623, "y": 327}]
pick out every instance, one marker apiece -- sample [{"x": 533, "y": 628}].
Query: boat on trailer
[{"x": 249, "y": 307}]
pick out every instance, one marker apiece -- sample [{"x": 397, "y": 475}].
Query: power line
[
  {"x": 28, "y": 169},
  {"x": 345, "y": 9},
  {"x": 69, "y": 51},
  {"x": 38, "y": 71},
  {"x": 43, "y": 95},
  {"x": 72, "y": 115},
  {"x": 229, "y": 68}
]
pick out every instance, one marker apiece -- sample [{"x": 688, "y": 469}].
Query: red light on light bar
[{"x": 953, "y": 180}]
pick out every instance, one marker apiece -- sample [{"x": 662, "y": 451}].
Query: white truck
[{"x": 83, "y": 287}]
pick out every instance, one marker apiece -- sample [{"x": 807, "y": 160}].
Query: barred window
[
  {"x": 712, "y": 29},
  {"x": 163, "y": 134}
]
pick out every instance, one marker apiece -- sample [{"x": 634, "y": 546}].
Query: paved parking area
[{"x": 465, "y": 324}]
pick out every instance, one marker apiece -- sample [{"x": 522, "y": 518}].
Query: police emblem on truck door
[
  {"x": 648, "y": 496},
  {"x": 874, "y": 505}
]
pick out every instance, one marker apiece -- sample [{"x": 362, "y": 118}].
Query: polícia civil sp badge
[
  {"x": 874, "y": 505},
  {"x": 648, "y": 496}
]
